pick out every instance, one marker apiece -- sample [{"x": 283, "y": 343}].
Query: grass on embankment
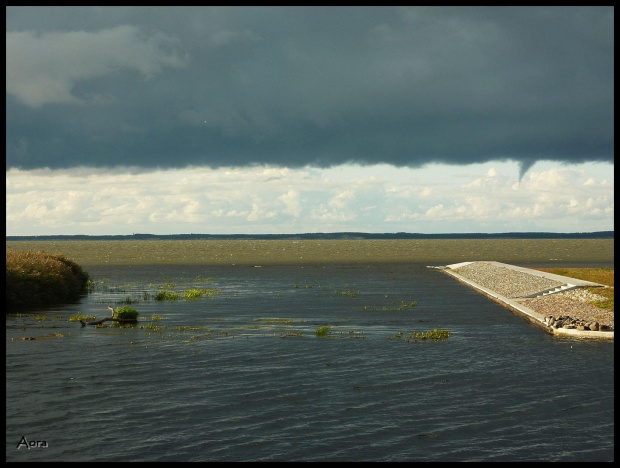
[
  {"x": 38, "y": 278},
  {"x": 597, "y": 275}
]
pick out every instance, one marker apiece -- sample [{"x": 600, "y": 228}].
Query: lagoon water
[{"x": 241, "y": 376}]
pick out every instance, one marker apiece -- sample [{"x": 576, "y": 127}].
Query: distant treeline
[{"x": 329, "y": 235}]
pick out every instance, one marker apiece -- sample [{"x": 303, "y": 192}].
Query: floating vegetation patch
[
  {"x": 166, "y": 295},
  {"x": 79, "y": 316},
  {"x": 194, "y": 294},
  {"x": 322, "y": 332},
  {"x": 153, "y": 327},
  {"x": 434, "y": 334},
  {"x": 189, "y": 294},
  {"x": 346, "y": 292},
  {"x": 291, "y": 335},
  {"x": 189, "y": 328},
  {"x": 120, "y": 325}
]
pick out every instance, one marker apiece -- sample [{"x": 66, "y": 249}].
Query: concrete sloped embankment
[{"x": 510, "y": 285}]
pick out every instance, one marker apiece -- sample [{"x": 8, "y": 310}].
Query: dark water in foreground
[{"x": 241, "y": 376}]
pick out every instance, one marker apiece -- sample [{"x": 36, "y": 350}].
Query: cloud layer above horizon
[
  {"x": 298, "y": 87},
  {"x": 265, "y": 200}
]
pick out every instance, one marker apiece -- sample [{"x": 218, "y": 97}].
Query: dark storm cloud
[{"x": 171, "y": 87}]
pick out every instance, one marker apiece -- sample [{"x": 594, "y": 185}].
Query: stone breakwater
[
  {"x": 505, "y": 281},
  {"x": 570, "y": 309},
  {"x": 573, "y": 309},
  {"x": 568, "y": 322}
]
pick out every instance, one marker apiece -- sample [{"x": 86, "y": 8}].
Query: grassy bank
[{"x": 37, "y": 278}]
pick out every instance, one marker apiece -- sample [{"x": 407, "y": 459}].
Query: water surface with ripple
[{"x": 241, "y": 376}]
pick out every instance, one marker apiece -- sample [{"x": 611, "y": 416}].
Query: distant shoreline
[{"x": 322, "y": 236}]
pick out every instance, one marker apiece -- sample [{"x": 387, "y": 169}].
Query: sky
[{"x": 224, "y": 120}]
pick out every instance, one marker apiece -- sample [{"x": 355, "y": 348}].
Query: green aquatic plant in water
[
  {"x": 126, "y": 313},
  {"x": 435, "y": 335},
  {"x": 184, "y": 328},
  {"x": 322, "y": 331},
  {"x": 194, "y": 294},
  {"x": 346, "y": 292},
  {"x": 153, "y": 327},
  {"x": 79, "y": 316},
  {"x": 120, "y": 325},
  {"x": 166, "y": 296}
]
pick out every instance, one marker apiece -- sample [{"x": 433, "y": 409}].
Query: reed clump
[{"x": 35, "y": 278}]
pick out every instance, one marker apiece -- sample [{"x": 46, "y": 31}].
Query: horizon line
[{"x": 607, "y": 233}]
